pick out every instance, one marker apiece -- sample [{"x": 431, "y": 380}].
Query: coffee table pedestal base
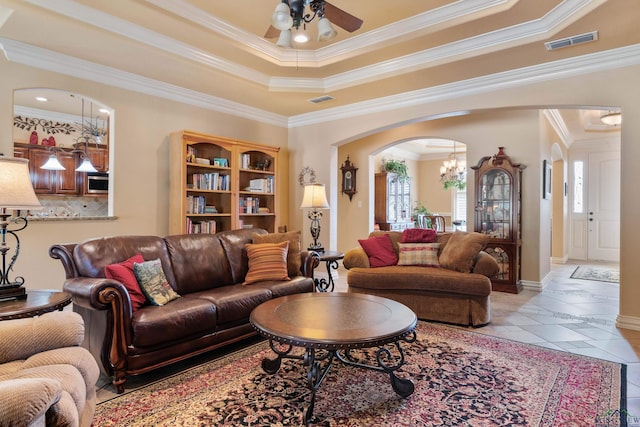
[{"x": 319, "y": 362}]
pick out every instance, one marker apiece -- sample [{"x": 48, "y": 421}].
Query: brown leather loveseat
[{"x": 206, "y": 270}]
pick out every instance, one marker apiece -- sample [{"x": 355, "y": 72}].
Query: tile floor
[{"x": 572, "y": 315}]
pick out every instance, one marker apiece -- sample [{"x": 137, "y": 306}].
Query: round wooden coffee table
[{"x": 329, "y": 326}]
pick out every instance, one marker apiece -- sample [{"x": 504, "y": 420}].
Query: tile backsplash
[{"x": 57, "y": 206}]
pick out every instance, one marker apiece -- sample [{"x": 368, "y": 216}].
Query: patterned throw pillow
[
  {"x": 380, "y": 250},
  {"x": 421, "y": 254},
  {"x": 267, "y": 261},
  {"x": 123, "y": 273},
  {"x": 153, "y": 282}
]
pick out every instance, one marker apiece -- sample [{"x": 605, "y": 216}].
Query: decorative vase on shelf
[{"x": 33, "y": 139}]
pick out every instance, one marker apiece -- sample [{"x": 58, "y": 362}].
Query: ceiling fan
[{"x": 291, "y": 14}]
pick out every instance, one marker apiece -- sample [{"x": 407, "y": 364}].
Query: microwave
[{"x": 97, "y": 182}]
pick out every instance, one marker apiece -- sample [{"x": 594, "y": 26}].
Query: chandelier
[
  {"x": 291, "y": 14},
  {"x": 453, "y": 172}
]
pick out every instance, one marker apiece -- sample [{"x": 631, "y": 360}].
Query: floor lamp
[
  {"x": 315, "y": 198},
  {"x": 16, "y": 194}
]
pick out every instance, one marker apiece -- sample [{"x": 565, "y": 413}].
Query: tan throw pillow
[
  {"x": 420, "y": 254},
  {"x": 267, "y": 261},
  {"x": 461, "y": 249},
  {"x": 293, "y": 256}
]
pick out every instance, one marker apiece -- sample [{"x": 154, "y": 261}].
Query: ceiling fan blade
[
  {"x": 272, "y": 32},
  {"x": 341, "y": 18}
]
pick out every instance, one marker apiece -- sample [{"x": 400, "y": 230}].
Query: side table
[
  {"x": 331, "y": 259},
  {"x": 36, "y": 303}
]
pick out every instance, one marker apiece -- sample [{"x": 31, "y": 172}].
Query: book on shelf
[
  {"x": 261, "y": 185},
  {"x": 211, "y": 181},
  {"x": 201, "y": 227},
  {"x": 250, "y": 205},
  {"x": 196, "y": 204},
  {"x": 245, "y": 161}
]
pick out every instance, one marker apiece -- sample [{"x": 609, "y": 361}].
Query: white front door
[{"x": 603, "y": 206}]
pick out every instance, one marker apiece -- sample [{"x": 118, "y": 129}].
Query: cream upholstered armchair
[{"x": 46, "y": 378}]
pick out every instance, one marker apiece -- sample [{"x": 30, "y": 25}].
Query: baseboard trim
[{"x": 626, "y": 322}]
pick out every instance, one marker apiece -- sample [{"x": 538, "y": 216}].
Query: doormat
[
  {"x": 462, "y": 378},
  {"x": 600, "y": 274}
]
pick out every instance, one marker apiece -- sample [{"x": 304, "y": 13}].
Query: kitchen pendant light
[
  {"x": 85, "y": 138},
  {"x": 53, "y": 164},
  {"x": 86, "y": 166}
]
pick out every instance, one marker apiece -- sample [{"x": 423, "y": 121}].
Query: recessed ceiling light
[{"x": 41, "y": 99}]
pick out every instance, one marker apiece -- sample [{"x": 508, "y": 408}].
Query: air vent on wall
[
  {"x": 320, "y": 99},
  {"x": 572, "y": 41}
]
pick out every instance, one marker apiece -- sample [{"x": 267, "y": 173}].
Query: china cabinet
[
  {"x": 392, "y": 202},
  {"x": 498, "y": 214}
]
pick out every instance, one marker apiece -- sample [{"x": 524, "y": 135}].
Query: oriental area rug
[
  {"x": 600, "y": 274},
  {"x": 462, "y": 378}
]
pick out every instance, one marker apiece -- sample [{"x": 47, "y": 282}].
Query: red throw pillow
[
  {"x": 418, "y": 235},
  {"x": 380, "y": 251},
  {"x": 123, "y": 272}
]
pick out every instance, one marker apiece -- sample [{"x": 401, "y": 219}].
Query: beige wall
[
  {"x": 521, "y": 136},
  {"x": 141, "y": 165},
  {"x": 430, "y": 190}
]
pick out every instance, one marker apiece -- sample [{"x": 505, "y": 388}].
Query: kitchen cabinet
[{"x": 65, "y": 182}]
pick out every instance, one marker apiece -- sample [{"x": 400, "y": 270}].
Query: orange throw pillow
[{"x": 267, "y": 261}]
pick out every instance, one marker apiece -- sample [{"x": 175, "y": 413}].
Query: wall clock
[{"x": 348, "y": 178}]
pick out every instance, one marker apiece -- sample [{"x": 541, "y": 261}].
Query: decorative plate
[{"x": 307, "y": 176}]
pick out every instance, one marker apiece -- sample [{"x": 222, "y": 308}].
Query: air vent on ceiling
[
  {"x": 320, "y": 99},
  {"x": 572, "y": 41}
]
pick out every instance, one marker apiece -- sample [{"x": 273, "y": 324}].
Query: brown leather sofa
[
  {"x": 206, "y": 270},
  {"x": 438, "y": 294}
]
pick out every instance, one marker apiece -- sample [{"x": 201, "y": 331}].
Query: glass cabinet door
[{"x": 494, "y": 204}]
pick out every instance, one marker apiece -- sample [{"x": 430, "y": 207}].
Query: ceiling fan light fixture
[
  {"x": 285, "y": 39},
  {"x": 325, "y": 30},
  {"x": 300, "y": 36},
  {"x": 612, "y": 118},
  {"x": 281, "y": 18}
]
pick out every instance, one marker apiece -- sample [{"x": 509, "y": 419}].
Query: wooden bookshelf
[{"x": 219, "y": 184}]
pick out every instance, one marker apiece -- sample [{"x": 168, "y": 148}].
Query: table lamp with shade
[
  {"x": 16, "y": 194},
  {"x": 315, "y": 198}
]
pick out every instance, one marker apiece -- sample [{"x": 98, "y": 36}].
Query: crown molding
[
  {"x": 554, "y": 118},
  {"x": 451, "y": 14},
  {"x": 463, "y": 49},
  {"x": 601, "y": 61},
  {"x": 110, "y": 23},
  {"x": 565, "y": 13},
  {"x": 53, "y": 61}
]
